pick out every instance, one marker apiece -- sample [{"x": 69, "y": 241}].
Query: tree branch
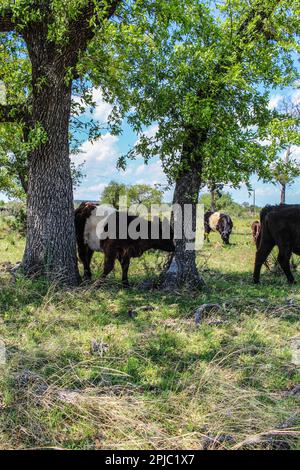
[
  {"x": 13, "y": 113},
  {"x": 81, "y": 31},
  {"x": 261, "y": 15},
  {"x": 6, "y": 22}
]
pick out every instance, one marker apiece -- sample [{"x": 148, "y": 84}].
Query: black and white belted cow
[
  {"x": 218, "y": 222},
  {"x": 92, "y": 221}
]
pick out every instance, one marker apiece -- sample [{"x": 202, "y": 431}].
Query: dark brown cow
[
  {"x": 280, "y": 225},
  {"x": 122, "y": 249}
]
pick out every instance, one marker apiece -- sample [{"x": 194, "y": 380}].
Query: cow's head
[{"x": 225, "y": 228}]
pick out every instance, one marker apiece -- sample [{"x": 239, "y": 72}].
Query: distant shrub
[
  {"x": 16, "y": 217},
  {"x": 225, "y": 203}
]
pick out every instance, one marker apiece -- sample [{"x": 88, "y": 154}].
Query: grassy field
[{"x": 93, "y": 368}]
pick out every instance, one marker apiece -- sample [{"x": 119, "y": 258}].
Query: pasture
[{"x": 96, "y": 368}]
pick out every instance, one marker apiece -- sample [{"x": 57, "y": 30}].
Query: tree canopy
[
  {"x": 205, "y": 81},
  {"x": 136, "y": 194},
  {"x": 209, "y": 77},
  {"x": 42, "y": 47}
]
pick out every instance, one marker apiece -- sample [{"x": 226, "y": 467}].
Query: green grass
[{"x": 158, "y": 381}]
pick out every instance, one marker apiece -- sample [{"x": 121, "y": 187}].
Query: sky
[
  {"x": 99, "y": 161},
  {"x": 100, "y": 158}
]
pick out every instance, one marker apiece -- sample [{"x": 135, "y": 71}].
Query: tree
[
  {"x": 54, "y": 35},
  {"x": 206, "y": 84},
  {"x": 14, "y": 163},
  {"x": 286, "y": 169},
  {"x": 112, "y": 193},
  {"x": 224, "y": 201},
  {"x": 136, "y": 194},
  {"x": 215, "y": 193},
  {"x": 144, "y": 194},
  {"x": 14, "y": 73}
]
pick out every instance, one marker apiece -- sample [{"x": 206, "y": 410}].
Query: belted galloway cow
[
  {"x": 123, "y": 243},
  {"x": 218, "y": 222}
]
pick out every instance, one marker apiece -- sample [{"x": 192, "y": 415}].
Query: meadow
[{"x": 108, "y": 368}]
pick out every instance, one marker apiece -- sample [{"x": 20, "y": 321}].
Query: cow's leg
[
  {"x": 206, "y": 234},
  {"x": 85, "y": 255},
  {"x": 109, "y": 262},
  {"x": 125, "y": 261},
  {"x": 260, "y": 258},
  {"x": 284, "y": 261},
  {"x": 87, "y": 264}
]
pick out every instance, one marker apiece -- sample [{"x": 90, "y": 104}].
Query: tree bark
[
  {"x": 282, "y": 193},
  {"x": 283, "y": 184},
  {"x": 182, "y": 270},
  {"x": 51, "y": 242},
  {"x": 50, "y": 245},
  {"x": 213, "y": 200}
]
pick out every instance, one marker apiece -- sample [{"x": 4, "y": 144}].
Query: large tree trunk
[
  {"x": 182, "y": 270},
  {"x": 50, "y": 245}
]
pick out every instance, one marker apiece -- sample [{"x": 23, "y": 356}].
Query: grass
[{"x": 81, "y": 373}]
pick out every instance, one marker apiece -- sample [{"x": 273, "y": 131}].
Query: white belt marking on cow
[
  {"x": 94, "y": 226},
  {"x": 214, "y": 220}
]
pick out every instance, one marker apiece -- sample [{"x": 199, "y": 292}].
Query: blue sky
[{"x": 101, "y": 157}]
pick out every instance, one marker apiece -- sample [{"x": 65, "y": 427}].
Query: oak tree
[
  {"x": 205, "y": 82},
  {"x": 55, "y": 35}
]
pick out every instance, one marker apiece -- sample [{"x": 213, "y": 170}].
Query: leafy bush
[
  {"x": 224, "y": 202},
  {"x": 16, "y": 217}
]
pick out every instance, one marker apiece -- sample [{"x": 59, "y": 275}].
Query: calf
[
  {"x": 280, "y": 225},
  {"x": 117, "y": 247},
  {"x": 255, "y": 227},
  {"x": 256, "y": 238},
  {"x": 217, "y": 222}
]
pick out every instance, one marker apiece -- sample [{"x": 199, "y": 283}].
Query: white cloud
[
  {"x": 295, "y": 152},
  {"x": 274, "y": 101},
  {"x": 150, "y": 174},
  {"x": 140, "y": 169},
  {"x": 89, "y": 192},
  {"x": 296, "y": 97},
  {"x": 97, "y": 188},
  {"x": 151, "y": 131},
  {"x": 99, "y": 161},
  {"x": 3, "y": 197},
  {"x": 265, "y": 191},
  {"x": 264, "y": 142},
  {"x": 102, "y": 109},
  {"x": 100, "y": 153}
]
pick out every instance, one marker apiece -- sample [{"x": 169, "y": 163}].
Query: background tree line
[{"x": 135, "y": 194}]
